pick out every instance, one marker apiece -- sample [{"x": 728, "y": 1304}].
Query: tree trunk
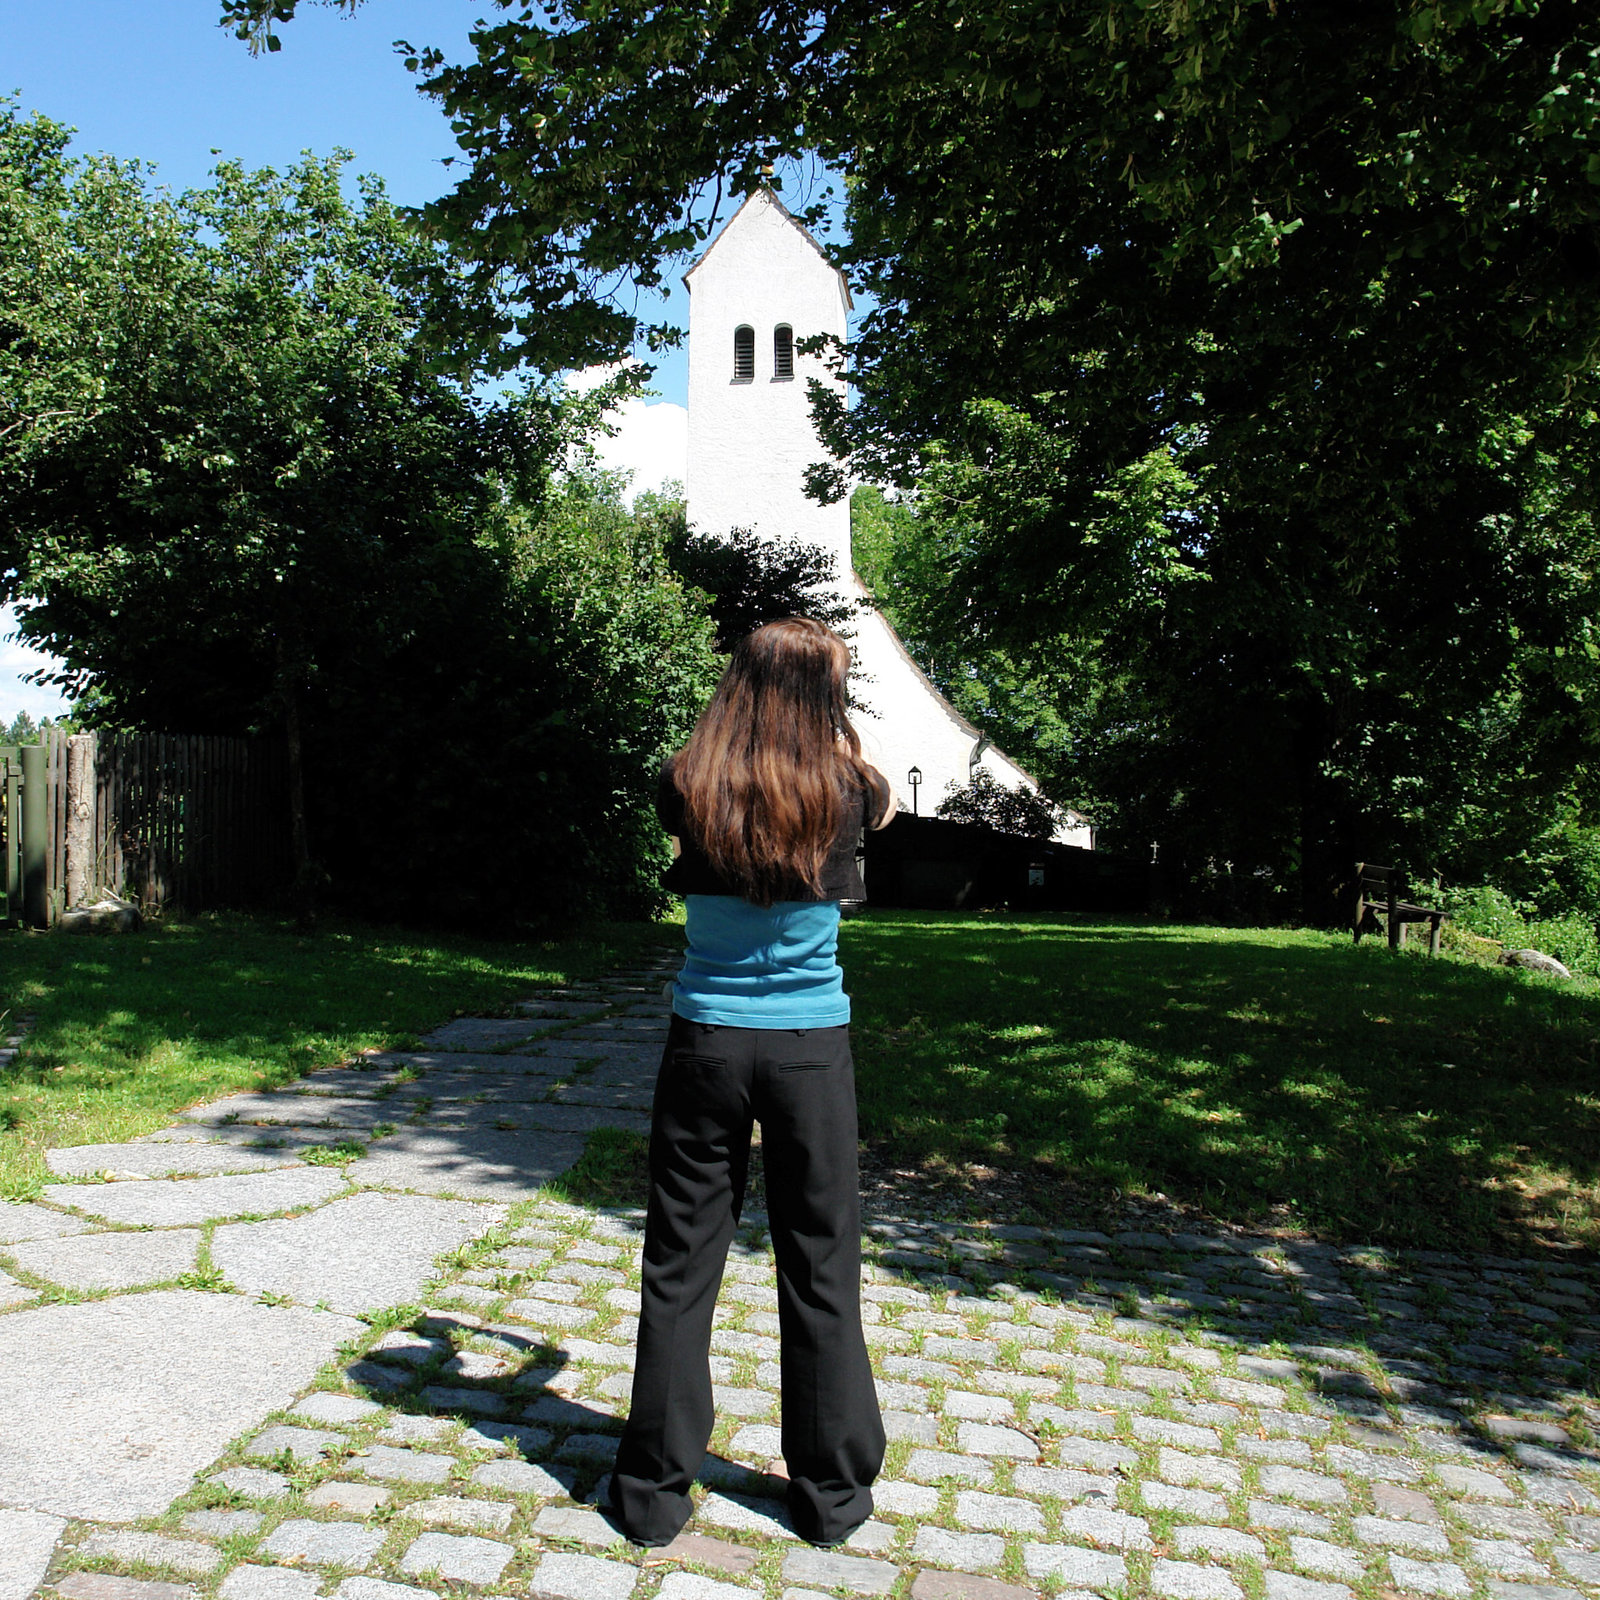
[
  {"x": 305, "y": 887},
  {"x": 81, "y": 874},
  {"x": 1323, "y": 833}
]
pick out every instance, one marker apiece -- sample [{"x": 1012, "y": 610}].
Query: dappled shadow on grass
[
  {"x": 129, "y": 1029},
  {"x": 1261, "y": 1077}
]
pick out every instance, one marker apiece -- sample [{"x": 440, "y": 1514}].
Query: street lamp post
[{"x": 914, "y": 778}]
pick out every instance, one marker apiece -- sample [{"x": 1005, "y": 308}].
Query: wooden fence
[{"x": 161, "y": 819}]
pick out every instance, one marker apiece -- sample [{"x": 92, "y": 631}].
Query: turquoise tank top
[{"x": 761, "y": 966}]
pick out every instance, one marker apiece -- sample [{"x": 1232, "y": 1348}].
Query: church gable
[
  {"x": 760, "y": 288},
  {"x": 763, "y": 233},
  {"x": 757, "y": 294}
]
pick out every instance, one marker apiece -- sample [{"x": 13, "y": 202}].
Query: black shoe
[
  {"x": 832, "y": 1544},
  {"x": 611, "y": 1516}
]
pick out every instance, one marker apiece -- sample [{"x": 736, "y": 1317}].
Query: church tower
[{"x": 761, "y": 287}]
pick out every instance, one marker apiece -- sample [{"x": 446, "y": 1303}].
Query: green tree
[
  {"x": 23, "y": 730},
  {"x": 1030, "y": 186},
  {"x": 514, "y": 745},
  {"x": 274, "y": 513},
  {"x": 88, "y": 261},
  {"x": 1033, "y": 702},
  {"x": 270, "y": 445},
  {"x": 879, "y": 526},
  {"x": 1260, "y": 713},
  {"x": 1337, "y": 267}
]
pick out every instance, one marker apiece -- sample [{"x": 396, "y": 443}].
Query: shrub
[
  {"x": 1021, "y": 811},
  {"x": 751, "y": 580},
  {"x": 1570, "y": 939},
  {"x": 1568, "y": 871},
  {"x": 1493, "y": 914},
  {"x": 501, "y": 767},
  {"x": 1488, "y": 912}
]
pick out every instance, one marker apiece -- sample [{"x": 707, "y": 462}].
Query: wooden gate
[
  {"x": 11, "y": 834},
  {"x": 161, "y": 819},
  {"x": 28, "y": 805}
]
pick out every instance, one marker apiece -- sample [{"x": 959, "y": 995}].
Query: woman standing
[{"x": 765, "y": 804}]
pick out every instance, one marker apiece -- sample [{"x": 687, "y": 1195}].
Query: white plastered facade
[{"x": 750, "y": 442}]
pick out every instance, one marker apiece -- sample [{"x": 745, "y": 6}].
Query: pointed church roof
[
  {"x": 789, "y": 217},
  {"x": 936, "y": 694}
]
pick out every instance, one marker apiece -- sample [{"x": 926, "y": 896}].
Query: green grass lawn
[
  {"x": 1016, "y": 1065},
  {"x": 1274, "y": 1077},
  {"x": 132, "y": 1028}
]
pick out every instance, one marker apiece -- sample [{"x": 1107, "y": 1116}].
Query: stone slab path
[{"x": 338, "y": 1340}]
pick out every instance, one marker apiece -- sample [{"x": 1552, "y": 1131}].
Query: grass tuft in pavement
[{"x": 612, "y": 1171}]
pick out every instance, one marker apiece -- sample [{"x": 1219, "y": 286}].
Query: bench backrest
[{"x": 1374, "y": 882}]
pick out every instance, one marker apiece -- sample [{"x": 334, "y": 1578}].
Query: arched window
[
  {"x": 744, "y": 354},
  {"x": 783, "y": 351}
]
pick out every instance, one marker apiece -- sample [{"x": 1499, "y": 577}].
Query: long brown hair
[{"x": 765, "y": 774}]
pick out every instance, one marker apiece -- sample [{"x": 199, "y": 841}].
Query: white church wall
[
  {"x": 749, "y": 446},
  {"x": 750, "y": 443},
  {"x": 904, "y": 723}
]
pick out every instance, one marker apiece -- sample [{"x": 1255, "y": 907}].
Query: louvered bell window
[
  {"x": 744, "y": 354},
  {"x": 783, "y": 351}
]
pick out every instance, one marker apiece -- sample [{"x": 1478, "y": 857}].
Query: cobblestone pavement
[{"x": 339, "y": 1341}]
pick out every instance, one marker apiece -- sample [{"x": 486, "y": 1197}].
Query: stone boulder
[
  {"x": 106, "y": 915},
  {"x": 1534, "y": 961}
]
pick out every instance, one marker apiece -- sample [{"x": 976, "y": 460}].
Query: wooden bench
[{"x": 1378, "y": 896}]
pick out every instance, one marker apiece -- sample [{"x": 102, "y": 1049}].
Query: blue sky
[
  {"x": 163, "y": 82},
  {"x": 159, "y": 80}
]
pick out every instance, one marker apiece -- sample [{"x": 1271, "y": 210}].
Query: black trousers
[{"x": 800, "y": 1085}]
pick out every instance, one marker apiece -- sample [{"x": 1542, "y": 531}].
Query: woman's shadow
[{"x": 512, "y": 1390}]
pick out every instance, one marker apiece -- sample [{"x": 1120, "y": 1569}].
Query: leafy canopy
[
  {"x": 1256, "y": 344},
  {"x": 1235, "y": 701},
  {"x": 1068, "y": 164}
]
